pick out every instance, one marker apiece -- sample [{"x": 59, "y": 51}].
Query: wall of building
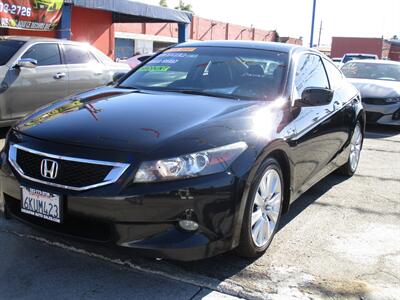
[
  {"x": 94, "y": 27},
  {"x": 87, "y": 25},
  {"x": 148, "y": 34},
  {"x": 394, "y": 53},
  {"x": 343, "y": 45}
]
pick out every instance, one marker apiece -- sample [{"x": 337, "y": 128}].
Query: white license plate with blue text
[{"x": 41, "y": 204}]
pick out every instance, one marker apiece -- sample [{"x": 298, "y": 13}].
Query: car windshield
[
  {"x": 348, "y": 58},
  {"x": 372, "y": 71},
  {"x": 8, "y": 48},
  {"x": 217, "y": 71}
]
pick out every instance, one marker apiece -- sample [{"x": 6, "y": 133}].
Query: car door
[
  {"x": 84, "y": 70},
  {"x": 30, "y": 88},
  {"x": 319, "y": 133}
]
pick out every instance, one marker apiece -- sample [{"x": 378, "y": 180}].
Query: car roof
[
  {"x": 34, "y": 39},
  {"x": 375, "y": 61},
  {"x": 279, "y": 47},
  {"x": 361, "y": 54}
]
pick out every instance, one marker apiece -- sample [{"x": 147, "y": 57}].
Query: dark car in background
[
  {"x": 379, "y": 84},
  {"x": 197, "y": 152}
]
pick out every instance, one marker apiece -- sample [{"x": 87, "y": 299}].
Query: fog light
[{"x": 189, "y": 225}]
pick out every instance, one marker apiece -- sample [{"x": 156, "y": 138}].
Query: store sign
[{"x": 30, "y": 14}]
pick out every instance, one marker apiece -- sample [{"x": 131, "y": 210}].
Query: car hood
[
  {"x": 376, "y": 88},
  {"x": 111, "y": 118}
]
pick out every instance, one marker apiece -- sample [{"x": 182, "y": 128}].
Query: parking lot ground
[{"x": 341, "y": 240}]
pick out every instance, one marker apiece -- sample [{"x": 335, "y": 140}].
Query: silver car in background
[
  {"x": 379, "y": 84},
  {"x": 37, "y": 71}
]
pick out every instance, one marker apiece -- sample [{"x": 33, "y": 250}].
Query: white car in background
[{"x": 138, "y": 59}]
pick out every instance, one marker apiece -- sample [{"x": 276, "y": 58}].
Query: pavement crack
[
  {"x": 377, "y": 177},
  {"x": 196, "y": 294},
  {"x": 380, "y": 150}
]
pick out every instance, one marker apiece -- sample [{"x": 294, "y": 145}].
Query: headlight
[
  {"x": 206, "y": 162},
  {"x": 392, "y": 100}
]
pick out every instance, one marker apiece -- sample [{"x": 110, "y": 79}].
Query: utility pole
[
  {"x": 312, "y": 23},
  {"x": 319, "y": 36}
]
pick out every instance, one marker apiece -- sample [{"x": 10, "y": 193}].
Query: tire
[
  {"x": 350, "y": 167},
  {"x": 264, "y": 205}
]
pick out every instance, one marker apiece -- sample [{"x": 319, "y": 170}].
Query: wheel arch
[{"x": 280, "y": 151}]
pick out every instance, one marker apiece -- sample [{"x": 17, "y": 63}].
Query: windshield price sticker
[
  {"x": 181, "y": 50},
  {"x": 163, "y": 61},
  {"x": 154, "y": 68}
]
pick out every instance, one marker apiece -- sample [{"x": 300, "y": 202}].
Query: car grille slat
[
  {"x": 70, "y": 173},
  {"x": 73, "y": 173}
]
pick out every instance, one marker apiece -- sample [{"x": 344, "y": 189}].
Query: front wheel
[
  {"x": 355, "y": 150},
  {"x": 263, "y": 210}
]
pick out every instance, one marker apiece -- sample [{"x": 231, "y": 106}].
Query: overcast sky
[{"x": 364, "y": 18}]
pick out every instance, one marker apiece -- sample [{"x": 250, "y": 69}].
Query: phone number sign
[{"x": 30, "y": 14}]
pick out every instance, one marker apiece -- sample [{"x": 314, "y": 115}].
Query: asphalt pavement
[{"x": 341, "y": 240}]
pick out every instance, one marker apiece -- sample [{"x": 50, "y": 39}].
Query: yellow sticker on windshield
[
  {"x": 154, "y": 68},
  {"x": 181, "y": 49}
]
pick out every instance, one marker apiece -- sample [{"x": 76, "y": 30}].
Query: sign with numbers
[{"x": 30, "y": 14}]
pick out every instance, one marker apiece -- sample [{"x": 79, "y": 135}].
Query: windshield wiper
[{"x": 204, "y": 93}]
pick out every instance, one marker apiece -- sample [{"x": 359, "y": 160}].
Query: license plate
[{"x": 41, "y": 204}]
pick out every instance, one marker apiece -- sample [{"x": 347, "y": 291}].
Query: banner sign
[{"x": 30, "y": 14}]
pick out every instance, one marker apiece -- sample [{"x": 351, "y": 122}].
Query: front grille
[
  {"x": 372, "y": 117},
  {"x": 70, "y": 173},
  {"x": 375, "y": 101},
  {"x": 80, "y": 227}
]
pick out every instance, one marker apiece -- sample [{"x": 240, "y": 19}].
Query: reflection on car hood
[
  {"x": 376, "y": 88},
  {"x": 137, "y": 121}
]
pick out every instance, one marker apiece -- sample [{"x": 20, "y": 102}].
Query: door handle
[
  {"x": 98, "y": 73},
  {"x": 59, "y": 75}
]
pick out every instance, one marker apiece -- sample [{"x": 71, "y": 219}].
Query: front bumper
[
  {"x": 383, "y": 114},
  {"x": 142, "y": 216}
]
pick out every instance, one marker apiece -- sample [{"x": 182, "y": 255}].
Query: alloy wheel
[
  {"x": 355, "y": 148},
  {"x": 266, "y": 208}
]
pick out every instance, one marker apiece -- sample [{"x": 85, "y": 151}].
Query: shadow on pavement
[
  {"x": 374, "y": 131},
  {"x": 3, "y": 132}
]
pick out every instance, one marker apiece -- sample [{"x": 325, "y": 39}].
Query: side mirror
[
  {"x": 29, "y": 63},
  {"x": 116, "y": 78},
  {"x": 314, "y": 97}
]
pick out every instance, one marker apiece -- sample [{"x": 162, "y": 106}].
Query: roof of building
[{"x": 128, "y": 11}]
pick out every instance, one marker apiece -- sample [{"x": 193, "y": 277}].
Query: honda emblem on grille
[{"x": 49, "y": 168}]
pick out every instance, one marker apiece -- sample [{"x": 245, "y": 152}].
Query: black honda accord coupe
[{"x": 197, "y": 151}]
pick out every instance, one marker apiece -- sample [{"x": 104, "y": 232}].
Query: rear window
[
  {"x": 348, "y": 58},
  {"x": 8, "y": 48},
  {"x": 375, "y": 71},
  {"x": 77, "y": 55}
]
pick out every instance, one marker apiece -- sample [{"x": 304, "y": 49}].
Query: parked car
[
  {"x": 36, "y": 71},
  {"x": 379, "y": 84},
  {"x": 138, "y": 59},
  {"x": 184, "y": 163}
]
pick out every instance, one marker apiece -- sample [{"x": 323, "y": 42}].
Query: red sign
[{"x": 30, "y": 14}]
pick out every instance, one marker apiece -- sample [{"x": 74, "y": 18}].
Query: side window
[
  {"x": 335, "y": 76},
  {"x": 310, "y": 73},
  {"x": 77, "y": 55},
  {"x": 46, "y": 54}
]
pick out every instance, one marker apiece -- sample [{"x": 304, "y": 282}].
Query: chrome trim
[{"x": 112, "y": 176}]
